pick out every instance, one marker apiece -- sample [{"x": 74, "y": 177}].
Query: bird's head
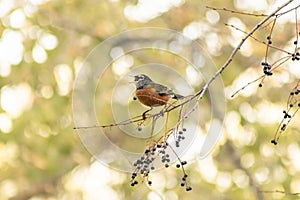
[
  {"x": 141, "y": 77},
  {"x": 141, "y": 80}
]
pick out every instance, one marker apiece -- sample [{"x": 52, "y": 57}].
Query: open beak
[{"x": 132, "y": 76}]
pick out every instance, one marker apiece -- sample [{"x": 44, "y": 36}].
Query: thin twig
[
  {"x": 269, "y": 38},
  {"x": 280, "y": 191},
  {"x": 257, "y": 40},
  {"x": 252, "y": 14},
  {"x": 283, "y": 13},
  {"x": 237, "y": 12},
  {"x": 275, "y": 65}
]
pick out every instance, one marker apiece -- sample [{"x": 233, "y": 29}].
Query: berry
[
  {"x": 273, "y": 142},
  {"x": 183, "y": 162},
  {"x": 283, "y": 127}
]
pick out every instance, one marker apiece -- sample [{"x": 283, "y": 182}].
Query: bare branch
[
  {"x": 281, "y": 192},
  {"x": 237, "y": 12},
  {"x": 262, "y": 42}
]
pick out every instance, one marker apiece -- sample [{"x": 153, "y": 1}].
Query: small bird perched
[{"x": 152, "y": 94}]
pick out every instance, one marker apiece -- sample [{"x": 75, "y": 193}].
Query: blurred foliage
[{"x": 41, "y": 156}]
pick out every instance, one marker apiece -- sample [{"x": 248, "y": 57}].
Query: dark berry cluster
[
  {"x": 286, "y": 115},
  {"x": 293, "y": 101},
  {"x": 296, "y": 92},
  {"x": 180, "y": 137},
  {"x": 295, "y": 56},
  {"x": 165, "y": 158},
  {"x": 145, "y": 164},
  {"x": 269, "y": 40},
  {"x": 273, "y": 141},
  {"x": 184, "y": 178},
  {"x": 267, "y": 68}
]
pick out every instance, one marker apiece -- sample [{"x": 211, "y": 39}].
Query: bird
[{"x": 152, "y": 94}]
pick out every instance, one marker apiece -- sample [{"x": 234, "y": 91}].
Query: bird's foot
[
  {"x": 144, "y": 116},
  {"x": 162, "y": 112}
]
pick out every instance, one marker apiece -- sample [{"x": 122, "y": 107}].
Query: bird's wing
[{"x": 161, "y": 89}]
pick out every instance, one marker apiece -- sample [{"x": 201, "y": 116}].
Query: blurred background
[{"x": 43, "y": 44}]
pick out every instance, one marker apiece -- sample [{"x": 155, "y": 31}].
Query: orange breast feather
[{"x": 149, "y": 97}]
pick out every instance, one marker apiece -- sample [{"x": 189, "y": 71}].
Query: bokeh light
[{"x": 42, "y": 49}]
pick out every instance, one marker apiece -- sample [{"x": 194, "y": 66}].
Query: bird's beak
[{"x": 132, "y": 76}]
